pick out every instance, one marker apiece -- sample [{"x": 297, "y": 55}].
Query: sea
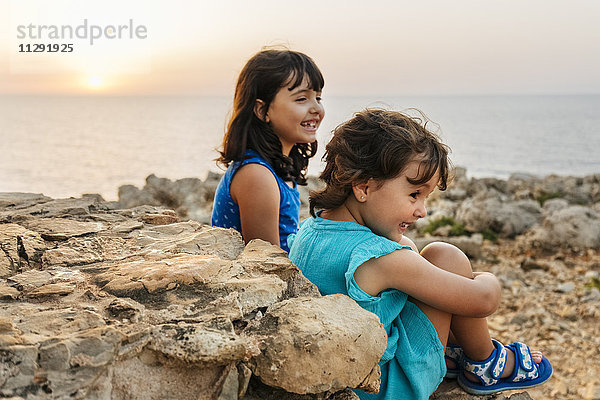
[{"x": 66, "y": 146}]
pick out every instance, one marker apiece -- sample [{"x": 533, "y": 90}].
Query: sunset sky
[{"x": 363, "y": 47}]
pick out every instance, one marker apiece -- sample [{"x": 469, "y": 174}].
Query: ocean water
[{"x": 65, "y": 146}]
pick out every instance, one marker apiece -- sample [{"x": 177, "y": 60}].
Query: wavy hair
[
  {"x": 261, "y": 78},
  {"x": 378, "y": 144}
]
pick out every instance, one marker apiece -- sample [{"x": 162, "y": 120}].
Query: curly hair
[
  {"x": 261, "y": 78},
  {"x": 378, "y": 144}
]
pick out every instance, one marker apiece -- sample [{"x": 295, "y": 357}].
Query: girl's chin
[
  {"x": 310, "y": 137},
  {"x": 396, "y": 237}
]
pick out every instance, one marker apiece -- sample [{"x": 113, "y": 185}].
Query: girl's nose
[
  {"x": 316, "y": 107},
  {"x": 420, "y": 211}
]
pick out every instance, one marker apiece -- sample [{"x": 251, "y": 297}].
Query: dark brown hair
[
  {"x": 261, "y": 78},
  {"x": 378, "y": 144}
]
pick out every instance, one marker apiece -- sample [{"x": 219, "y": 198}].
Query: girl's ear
[
  {"x": 260, "y": 110},
  {"x": 360, "y": 191}
]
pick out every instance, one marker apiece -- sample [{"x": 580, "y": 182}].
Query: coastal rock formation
[
  {"x": 577, "y": 227},
  {"x": 507, "y": 218},
  {"x": 191, "y": 198},
  {"x": 541, "y": 213},
  {"x": 521, "y": 207},
  {"x": 105, "y": 303}
]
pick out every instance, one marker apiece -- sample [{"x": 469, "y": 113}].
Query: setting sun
[{"x": 95, "y": 81}]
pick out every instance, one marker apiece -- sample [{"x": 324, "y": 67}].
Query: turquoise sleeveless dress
[
  {"x": 226, "y": 213},
  {"x": 328, "y": 252}
]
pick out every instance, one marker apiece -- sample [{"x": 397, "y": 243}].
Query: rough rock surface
[
  {"x": 449, "y": 390},
  {"x": 507, "y": 218},
  {"x": 98, "y": 302},
  {"x": 301, "y": 327},
  {"x": 576, "y": 227},
  {"x": 191, "y": 198}
]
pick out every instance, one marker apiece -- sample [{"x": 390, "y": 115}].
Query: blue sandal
[
  {"x": 454, "y": 353},
  {"x": 526, "y": 374}
]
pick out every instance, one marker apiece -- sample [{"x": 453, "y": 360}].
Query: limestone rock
[
  {"x": 449, "y": 390},
  {"x": 52, "y": 289},
  {"x": 8, "y": 292},
  {"x": 507, "y": 218},
  {"x": 174, "y": 321},
  {"x": 59, "y": 208},
  {"x": 62, "y": 229},
  {"x": 130, "y": 196},
  {"x": 259, "y": 391},
  {"x": 554, "y": 205},
  {"x": 303, "y": 352},
  {"x": 165, "y": 218},
  {"x": 210, "y": 277},
  {"x": 55, "y": 280},
  {"x": 574, "y": 227},
  {"x": 87, "y": 250},
  {"x": 214, "y": 342},
  {"x": 153, "y": 376},
  {"x": 191, "y": 198},
  {"x": 10, "y": 200},
  {"x": 189, "y": 237},
  {"x": 20, "y": 249},
  {"x": 277, "y": 262}
]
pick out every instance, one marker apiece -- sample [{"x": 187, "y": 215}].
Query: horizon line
[{"x": 532, "y": 94}]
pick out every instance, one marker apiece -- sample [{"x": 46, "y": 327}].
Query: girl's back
[{"x": 226, "y": 213}]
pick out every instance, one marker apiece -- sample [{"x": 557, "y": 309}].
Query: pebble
[
  {"x": 529, "y": 264},
  {"x": 592, "y": 275},
  {"x": 566, "y": 287},
  {"x": 591, "y": 295}
]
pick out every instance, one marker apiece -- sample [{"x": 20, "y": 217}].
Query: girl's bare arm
[
  {"x": 409, "y": 272},
  {"x": 255, "y": 191}
]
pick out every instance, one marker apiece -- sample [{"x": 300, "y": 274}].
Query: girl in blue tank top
[
  {"x": 380, "y": 168},
  {"x": 270, "y": 137}
]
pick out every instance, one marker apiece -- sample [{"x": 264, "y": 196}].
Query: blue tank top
[{"x": 226, "y": 213}]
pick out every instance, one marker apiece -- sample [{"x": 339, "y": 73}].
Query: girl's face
[
  {"x": 390, "y": 209},
  {"x": 295, "y": 114}
]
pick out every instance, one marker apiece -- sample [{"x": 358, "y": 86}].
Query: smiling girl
[
  {"x": 270, "y": 137},
  {"x": 380, "y": 168}
]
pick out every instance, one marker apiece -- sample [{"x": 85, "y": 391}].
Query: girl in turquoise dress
[{"x": 380, "y": 168}]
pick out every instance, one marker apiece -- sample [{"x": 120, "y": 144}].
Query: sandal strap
[
  {"x": 453, "y": 352},
  {"x": 488, "y": 371},
  {"x": 525, "y": 367}
]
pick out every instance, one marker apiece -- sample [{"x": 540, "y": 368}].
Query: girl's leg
[{"x": 471, "y": 333}]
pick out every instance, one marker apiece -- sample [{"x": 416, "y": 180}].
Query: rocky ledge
[{"x": 106, "y": 303}]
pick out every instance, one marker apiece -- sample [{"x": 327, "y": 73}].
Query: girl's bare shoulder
[{"x": 253, "y": 178}]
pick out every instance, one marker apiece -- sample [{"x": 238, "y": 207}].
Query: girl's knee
[{"x": 448, "y": 257}]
